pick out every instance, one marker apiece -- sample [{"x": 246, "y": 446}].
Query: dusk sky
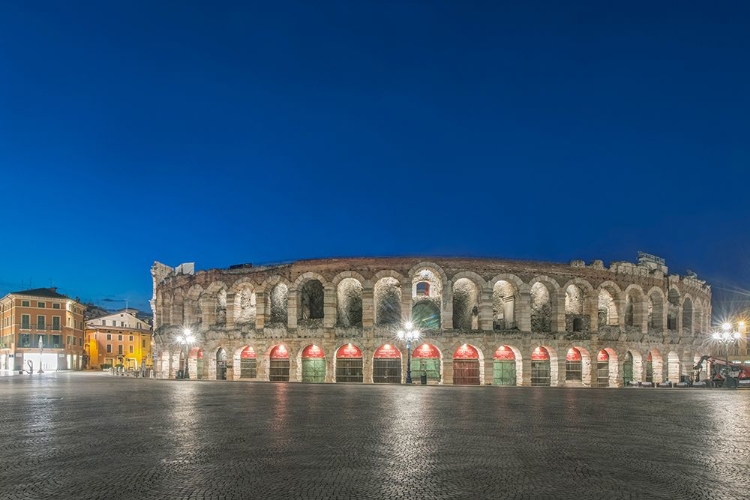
[{"x": 224, "y": 133}]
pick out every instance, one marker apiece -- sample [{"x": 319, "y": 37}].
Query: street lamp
[
  {"x": 41, "y": 350},
  {"x": 185, "y": 339},
  {"x": 409, "y": 333},
  {"x": 727, "y": 338}
]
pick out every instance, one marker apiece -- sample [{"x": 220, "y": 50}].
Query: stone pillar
[
  {"x": 231, "y": 312},
  {"x": 174, "y": 365},
  {"x": 525, "y": 379},
  {"x": 295, "y": 369},
  {"x": 523, "y": 312},
  {"x": 366, "y": 368},
  {"x": 557, "y": 371},
  {"x": 679, "y": 319},
  {"x": 406, "y": 302},
  {"x": 446, "y": 311},
  {"x": 291, "y": 309},
  {"x": 329, "y": 307},
  {"x": 557, "y": 304},
  {"x": 368, "y": 308},
  {"x": 485, "y": 310},
  {"x": 447, "y": 376},
  {"x": 260, "y": 310},
  {"x": 640, "y": 314},
  {"x": 620, "y": 306},
  {"x": 489, "y": 371},
  {"x": 591, "y": 308}
]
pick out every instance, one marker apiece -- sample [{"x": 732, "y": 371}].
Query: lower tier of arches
[{"x": 459, "y": 361}]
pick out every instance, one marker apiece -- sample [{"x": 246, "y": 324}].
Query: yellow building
[
  {"x": 41, "y": 325},
  {"x": 119, "y": 338}
]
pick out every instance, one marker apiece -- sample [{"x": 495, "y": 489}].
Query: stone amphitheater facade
[{"x": 554, "y": 324}]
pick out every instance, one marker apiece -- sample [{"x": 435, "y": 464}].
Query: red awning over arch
[
  {"x": 349, "y": 351},
  {"x": 602, "y": 356},
  {"x": 279, "y": 352},
  {"x": 196, "y": 352},
  {"x": 248, "y": 353},
  {"x": 426, "y": 351},
  {"x": 573, "y": 355},
  {"x": 313, "y": 351},
  {"x": 504, "y": 353},
  {"x": 387, "y": 351},
  {"x": 466, "y": 352},
  {"x": 540, "y": 354}
]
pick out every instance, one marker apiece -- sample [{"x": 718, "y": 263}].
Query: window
[
  {"x": 68, "y": 322},
  {"x": 55, "y": 306},
  {"x": 423, "y": 289},
  {"x": 143, "y": 344},
  {"x": 40, "y": 304},
  {"x": 122, "y": 324},
  {"x": 138, "y": 325},
  {"x": 25, "y": 340},
  {"x": 55, "y": 322},
  {"x": 131, "y": 349},
  {"x": 131, "y": 338},
  {"x": 109, "y": 348},
  {"x": 119, "y": 349},
  {"x": 25, "y": 321},
  {"x": 109, "y": 336},
  {"x": 25, "y": 303},
  {"x": 119, "y": 337},
  {"x": 40, "y": 322},
  {"x": 56, "y": 341}
]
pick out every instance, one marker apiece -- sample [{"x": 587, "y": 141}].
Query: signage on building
[
  {"x": 602, "y": 356},
  {"x": 248, "y": 353},
  {"x": 387, "y": 351},
  {"x": 466, "y": 352},
  {"x": 539, "y": 354},
  {"x": 313, "y": 351},
  {"x": 504, "y": 353},
  {"x": 426, "y": 351},
  {"x": 573, "y": 355},
  {"x": 279, "y": 352},
  {"x": 349, "y": 351}
]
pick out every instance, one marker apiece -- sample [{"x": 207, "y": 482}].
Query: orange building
[
  {"x": 41, "y": 325},
  {"x": 120, "y": 338}
]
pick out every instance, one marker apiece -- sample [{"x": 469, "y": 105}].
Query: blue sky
[{"x": 227, "y": 132}]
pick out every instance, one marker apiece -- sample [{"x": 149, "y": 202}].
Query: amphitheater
[{"x": 480, "y": 321}]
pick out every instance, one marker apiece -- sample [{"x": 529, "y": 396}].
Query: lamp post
[
  {"x": 726, "y": 337},
  {"x": 408, "y": 334},
  {"x": 187, "y": 340},
  {"x": 41, "y": 349}
]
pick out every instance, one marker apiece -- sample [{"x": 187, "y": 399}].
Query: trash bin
[
  {"x": 423, "y": 379},
  {"x": 179, "y": 374}
]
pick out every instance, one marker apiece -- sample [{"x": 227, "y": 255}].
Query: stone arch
[
  {"x": 674, "y": 299},
  {"x": 350, "y": 274},
  {"x": 654, "y": 370},
  {"x": 500, "y": 377},
  {"x": 433, "y": 369},
  {"x": 608, "y": 313},
  {"x": 214, "y": 304},
  {"x": 177, "y": 309},
  {"x": 349, "y": 369},
  {"x": 192, "y": 312},
  {"x": 244, "y": 308},
  {"x": 544, "y": 296},
  {"x": 505, "y": 297},
  {"x": 687, "y": 313},
  {"x": 279, "y": 368},
  {"x": 698, "y": 321},
  {"x": 635, "y": 306},
  {"x": 349, "y": 302},
  {"x": 466, "y": 295},
  {"x": 309, "y": 291},
  {"x": 517, "y": 282},
  {"x": 311, "y": 363},
  {"x": 387, "y": 298},
  {"x": 656, "y": 309},
  {"x": 552, "y": 366},
  {"x": 276, "y": 305},
  {"x": 578, "y": 366},
  {"x": 632, "y": 368},
  {"x": 430, "y": 266},
  {"x": 468, "y": 369},
  {"x": 613, "y": 366}
]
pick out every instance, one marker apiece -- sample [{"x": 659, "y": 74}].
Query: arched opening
[
  {"x": 687, "y": 315},
  {"x": 602, "y": 369},
  {"x": 196, "y": 367},
  {"x": 649, "y": 368},
  {"x": 607, "y": 315},
  {"x": 245, "y": 306},
  {"x": 503, "y": 306},
  {"x": 349, "y": 295},
  {"x": 466, "y": 366},
  {"x": 655, "y": 312},
  {"x": 349, "y": 364},
  {"x": 627, "y": 369},
  {"x": 629, "y": 310},
  {"x": 504, "y": 367},
  {"x": 248, "y": 363},
  {"x": 386, "y": 365},
  {"x": 425, "y": 315},
  {"x": 575, "y": 319},
  {"x": 426, "y": 361},
  {"x": 540, "y": 367},
  {"x": 573, "y": 365},
  {"x": 654, "y": 367},
  {"x": 465, "y": 305},
  {"x": 221, "y": 364},
  {"x": 313, "y": 364},
  {"x": 220, "y": 312},
  {"x": 278, "y": 370},
  {"x": 673, "y": 308},
  {"x": 541, "y": 309},
  {"x": 279, "y": 300},
  {"x": 698, "y": 315},
  {"x": 387, "y": 296},
  {"x": 311, "y": 300}
]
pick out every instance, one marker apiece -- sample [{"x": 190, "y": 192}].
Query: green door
[
  {"x": 314, "y": 370},
  {"x": 429, "y": 366},
  {"x": 627, "y": 370},
  {"x": 504, "y": 373}
]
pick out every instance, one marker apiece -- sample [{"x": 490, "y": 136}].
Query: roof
[{"x": 50, "y": 293}]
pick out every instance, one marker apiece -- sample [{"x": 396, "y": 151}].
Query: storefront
[
  {"x": 466, "y": 366},
  {"x": 504, "y": 367},
  {"x": 386, "y": 365},
  {"x": 349, "y": 364},
  {"x": 313, "y": 364}
]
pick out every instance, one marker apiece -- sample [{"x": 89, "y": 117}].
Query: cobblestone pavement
[{"x": 96, "y": 436}]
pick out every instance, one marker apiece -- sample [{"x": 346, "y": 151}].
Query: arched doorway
[
  {"x": 627, "y": 369},
  {"x": 466, "y": 366},
  {"x": 313, "y": 364},
  {"x": 426, "y": 361},
  {"x": 649, "y": 368},
  {"x": 540, "y": 367},
  {"x": 602, "y": 369},
  {"x": 248, "y": 363},
  {"x": 386, "y": 365},
  {"x": 573, "y": 366},
  {"x": 279, "y": 364},
  {"x": 349, "y": 364},
  {"x": 195, "y": 364},
  {"x": 504, "y": 366},
  {"x": 221, "y": 364}
]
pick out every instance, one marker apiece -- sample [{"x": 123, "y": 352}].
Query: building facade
[
  {"x": 481, "y": 321},
  {"x": 41, "y": 314},
  {"x": 120, "y": 338}
]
